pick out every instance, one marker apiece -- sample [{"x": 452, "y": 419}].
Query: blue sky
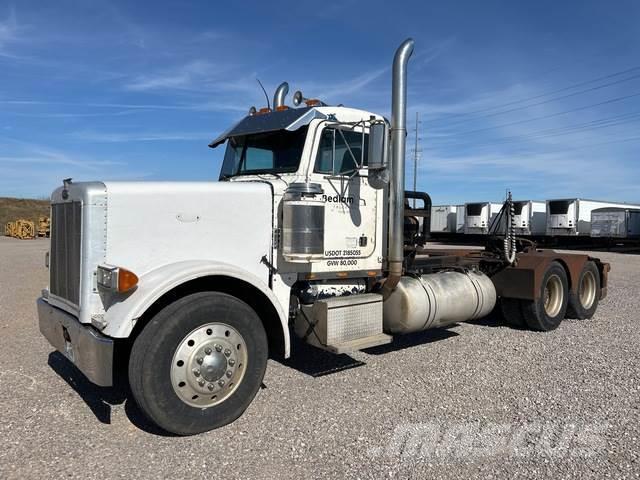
[{"x": 541, "y": 97}]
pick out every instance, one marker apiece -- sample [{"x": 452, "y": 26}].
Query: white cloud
[
  {"x": 33, "y": 170},
  {"x": 115, "y": 137},
  {"x": 8, "y": 33},
  {"x": 194, "y": 75}
]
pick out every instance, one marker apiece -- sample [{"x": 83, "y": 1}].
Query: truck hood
[{"x": 151, "y": 224}]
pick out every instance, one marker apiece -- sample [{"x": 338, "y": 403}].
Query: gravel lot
[{"x": 504, "y": 403}]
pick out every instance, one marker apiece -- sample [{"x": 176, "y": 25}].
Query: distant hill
[{"x": 14, "y": 208}]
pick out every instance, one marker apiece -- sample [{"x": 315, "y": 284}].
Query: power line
[
  {"x": 553, "y": 92},
  {"x": 573, "y": 94},
  {"x": 559, "y": 131},
  {"x": 582, "y": 147},
  {"x": 544, "y": 117}
]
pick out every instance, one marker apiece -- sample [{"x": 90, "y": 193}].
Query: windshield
[{"x": 271, "y": 152}]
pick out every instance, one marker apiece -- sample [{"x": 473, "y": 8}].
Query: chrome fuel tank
[{"x": 437, "y": 300}]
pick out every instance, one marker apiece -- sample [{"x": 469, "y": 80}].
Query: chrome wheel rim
[
  {"x": 208, "y": 365},
  {"x": 553, "y": 296},
  {"x": 587, "y": 290}
]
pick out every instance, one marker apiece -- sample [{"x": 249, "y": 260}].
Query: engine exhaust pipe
[
  {"x": 281, "y": 92},
  {"x": 396, "y": 191}
]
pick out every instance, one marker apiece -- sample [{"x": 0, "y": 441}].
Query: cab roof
[{"x": 290, "y": 119}]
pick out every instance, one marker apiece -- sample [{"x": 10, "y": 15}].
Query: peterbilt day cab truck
[{"x": 307, "y": 232}]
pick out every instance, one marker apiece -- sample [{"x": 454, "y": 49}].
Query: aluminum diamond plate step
[{"x": 360, "y": 343}]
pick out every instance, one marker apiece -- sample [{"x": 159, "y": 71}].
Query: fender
[
  {"x": 524, "y": 280},
  {"x": 121, "y": 316}
]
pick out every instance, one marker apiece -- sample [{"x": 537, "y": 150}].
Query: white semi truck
[{"x": 306, "y": 233}]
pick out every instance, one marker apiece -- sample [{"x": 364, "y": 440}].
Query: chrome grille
[{"x": 66, "y": 232}]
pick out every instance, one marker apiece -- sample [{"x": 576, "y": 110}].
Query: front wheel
[{"x": 198, "y": 363}]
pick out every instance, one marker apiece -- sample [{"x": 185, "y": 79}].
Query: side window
[{"x": 333, "y": 140}]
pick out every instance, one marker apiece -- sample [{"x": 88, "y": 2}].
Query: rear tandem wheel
[{"x": 547, "y": 311}]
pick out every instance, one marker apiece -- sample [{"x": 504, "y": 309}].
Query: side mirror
[
  {"x": 378, "y": 146},
  {"x": 378, "y": 154}
]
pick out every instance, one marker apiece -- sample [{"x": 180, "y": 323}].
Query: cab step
[{"x": 360, "y": 343}]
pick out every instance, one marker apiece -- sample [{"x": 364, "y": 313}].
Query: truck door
[{"x": 351, "y": 205}]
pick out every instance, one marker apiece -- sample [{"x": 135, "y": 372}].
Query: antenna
[{"x": 265, "y": 92}]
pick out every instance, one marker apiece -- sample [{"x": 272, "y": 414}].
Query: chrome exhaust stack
[
  {"x": 281, "y": 92},
  {"x": 396, "y": 191}
]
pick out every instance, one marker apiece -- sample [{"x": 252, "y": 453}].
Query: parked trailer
[
  {"x": 530, "y": 217},
  {"x": 572, "y": 216},
  {"x": 615, "y": 222},
  {"x": 460, "y": 218},
  {"x": 478, "y": 217},
  {"x": 317, "y": 242},
  {"x": 443, "y": 218}
]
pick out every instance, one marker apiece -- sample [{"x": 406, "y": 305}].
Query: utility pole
[{"x": 416, "y": 156}]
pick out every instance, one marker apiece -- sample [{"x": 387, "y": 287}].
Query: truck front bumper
[{"x": 89, "y": 350}]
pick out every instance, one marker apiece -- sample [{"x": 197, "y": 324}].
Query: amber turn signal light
[{"x": 126, "y": 280}]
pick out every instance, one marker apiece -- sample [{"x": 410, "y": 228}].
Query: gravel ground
[{"x": 476, "y": 400}]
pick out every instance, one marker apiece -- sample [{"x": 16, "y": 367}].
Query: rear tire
[
  {"x": 198, "y": 363},
  {"x": 584, "y": 302},
  {"x": 547, "y": 311},
  {"x": 512, "y": 312}
]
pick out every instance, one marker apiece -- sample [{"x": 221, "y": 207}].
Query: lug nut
[
  {"x": 196, "y": 372},
  {"x": 199, "y": 360},
  {"x": 227, "y": 352},
  {"x": 221, "y": 383},
  {"x": 218, "y": 348},
  {"x": 207, "y": 351},
  {"x": 229, "y": 373},
  {"x": 201, "y": 382},
  {"x": 210, "y": 387},
  {"x": 232, "y": 362}
]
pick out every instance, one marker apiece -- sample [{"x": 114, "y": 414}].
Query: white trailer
[
  {"x": 443, "y": 218},
  {"x": 615, "y": 222},
  {"x": 478, "y": 217},
  {"x": 530, "y": 217},
  {"x": 460, "y": 218},
  {"x": 195, "y": 285},
  {"x": 572, "y": 216}
]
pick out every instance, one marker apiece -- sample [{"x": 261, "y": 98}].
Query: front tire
[
  {"x": 198, "y": 363},
  {"x": 547, "y": 311}
]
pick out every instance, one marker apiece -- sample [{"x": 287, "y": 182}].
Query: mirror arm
[
  {"x": 333, "y": 154},
  {"x": 353, "y": 157},
  {"x": 362, "y": 148}
]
